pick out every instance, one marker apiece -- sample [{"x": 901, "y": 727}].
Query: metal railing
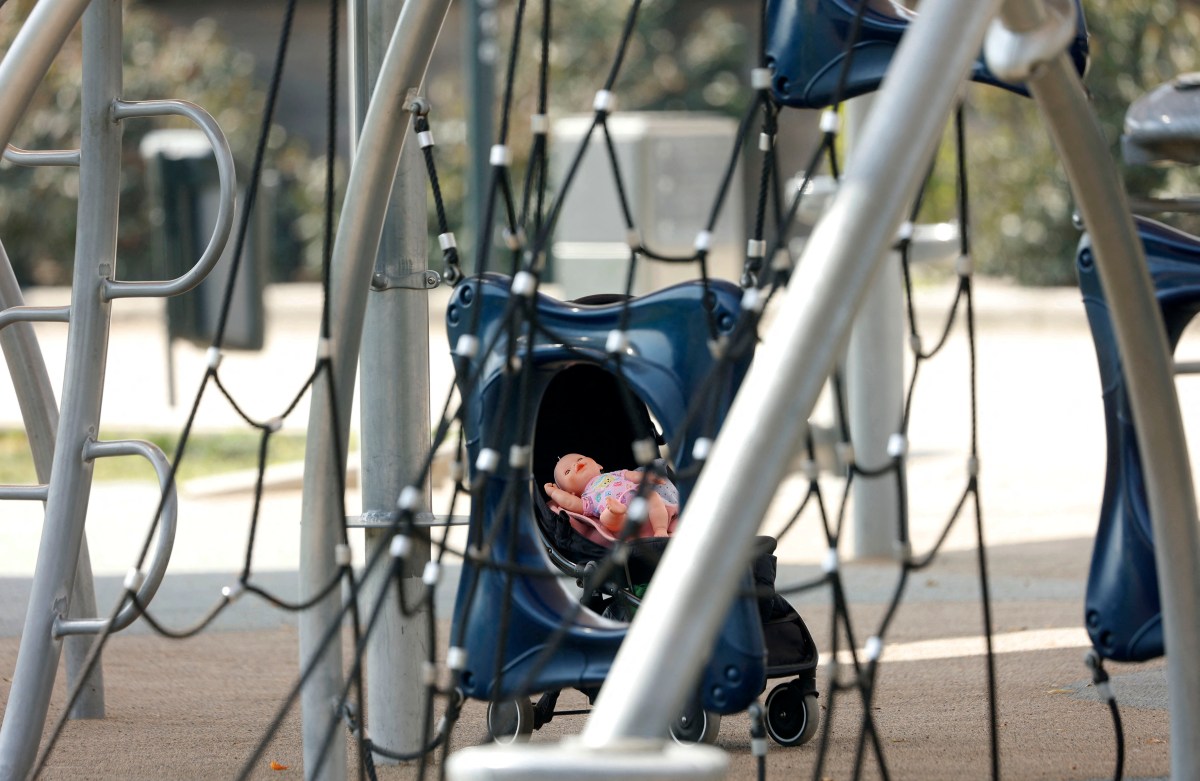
[{"x": 63, "y": 567}]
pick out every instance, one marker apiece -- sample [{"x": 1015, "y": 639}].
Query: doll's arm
[{"x": 565, "y": 499}]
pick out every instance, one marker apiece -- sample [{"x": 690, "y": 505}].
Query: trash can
[
  {"x": 183, "y": 188},
  {"x": 671, "y": 168}
]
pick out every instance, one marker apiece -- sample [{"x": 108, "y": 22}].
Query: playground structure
[{"x": 801, "y": 348}]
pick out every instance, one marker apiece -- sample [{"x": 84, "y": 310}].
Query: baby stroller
[{"x": 668, "y": 357}]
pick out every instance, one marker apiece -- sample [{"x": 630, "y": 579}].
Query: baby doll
[{"x": 582, "y": 486}]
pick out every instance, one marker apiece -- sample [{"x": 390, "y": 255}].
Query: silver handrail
[
  {"x": 34, "y": 314},
  {"x": 30, "y": 493},
  {"x": 33, "y": 158},
  {"x": 162, "y": 549},
  {"x": 123, "y": 109}
]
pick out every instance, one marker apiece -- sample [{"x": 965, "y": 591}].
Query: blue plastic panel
[
  {"x": 807, "y": 42},
  {"x": 668, "y": 361},
  {"x": 1122, "y": 610}
]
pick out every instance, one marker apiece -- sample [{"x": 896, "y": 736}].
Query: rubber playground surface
[{"x": 196, "y": 709}]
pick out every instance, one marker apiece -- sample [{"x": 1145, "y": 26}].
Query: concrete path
[{"x": 194, "y": 709}]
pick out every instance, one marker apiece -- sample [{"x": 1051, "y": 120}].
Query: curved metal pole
[
  {"x": 39, "y": 412},
  {"x": 226, "y": 194},
  {"x": 29, "y": 57},
  {"x": 162, "y": 548},
  {"x": 354, "y": 252},
  {"x": 1149, "y": 372},
  {"x": 697, "y": 577}
]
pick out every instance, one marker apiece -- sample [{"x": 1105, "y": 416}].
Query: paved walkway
[{"x": 193, "y": 709}]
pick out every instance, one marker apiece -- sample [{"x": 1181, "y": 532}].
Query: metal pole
[
  {"x": 874, "y": 385},
  {"x": 354, "y": 252},
  {"x": 1147, "y": 364},
  {"x": 39, "y": 411},
  {"x": 394, "y": 405},
  {"x": 83, "y": 383},
  {"x": 697, "y": 577}
]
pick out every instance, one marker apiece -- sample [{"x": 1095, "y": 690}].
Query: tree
[
  {"x": 683, "y": 55},
  {"x": 38, "y": 205},
  {"x": 1021, "y": 204}
]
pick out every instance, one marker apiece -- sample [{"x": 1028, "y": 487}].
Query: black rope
[
  {"x": 180, "y": 634},
  {"x": 264, "y": 441},
  {"x": 1104, "y": 690},
  {"x": 452, "y": 272},
  {"x": 510, "y": 77}
]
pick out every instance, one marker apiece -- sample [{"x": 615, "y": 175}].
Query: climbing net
[{"x": 528, "y": 209}]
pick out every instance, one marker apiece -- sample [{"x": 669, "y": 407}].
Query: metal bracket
[
  {"x": 393, "y": 273},
  {"x": 417, "y": 280},
  {"x": 416, "y": 103},
  {"x": 1013, "y": 55}
]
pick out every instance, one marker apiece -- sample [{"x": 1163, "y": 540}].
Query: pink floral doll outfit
[{"x": 596, "y": 493}]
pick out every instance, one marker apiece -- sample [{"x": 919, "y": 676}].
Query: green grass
[{"x": 206, "y": 454}]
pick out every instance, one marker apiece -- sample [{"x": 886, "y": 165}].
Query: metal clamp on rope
[
  {"x": 416, "y": 103},
  {"x": 1013, "y": 55},
  {"x": 758, "y": 730},
  {"x": 1099, "y": 676}
]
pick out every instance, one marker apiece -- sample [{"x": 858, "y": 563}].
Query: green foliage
[
  {"x": 1021, "y": 207},
  {"x": 692, "y": 56},
  {"x": 682, "y": 56},
  {"x": 207, "y": 453},
  {"x": 39, "y": 204}
]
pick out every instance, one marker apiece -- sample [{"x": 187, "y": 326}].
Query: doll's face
[{"x": 573, "y": 472}]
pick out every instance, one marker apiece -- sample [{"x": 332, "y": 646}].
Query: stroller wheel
[
  {"x": 696, "y": 725},
  {"x": 510, "y": 721},
  {"x": 792, "y": 715}
]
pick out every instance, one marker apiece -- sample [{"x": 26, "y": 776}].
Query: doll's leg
[
  {"x": 613, "y": 515},
  {"x": 658, "y": 514}
]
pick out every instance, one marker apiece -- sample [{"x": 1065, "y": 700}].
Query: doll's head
[{"x": 573, "y": 472}]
